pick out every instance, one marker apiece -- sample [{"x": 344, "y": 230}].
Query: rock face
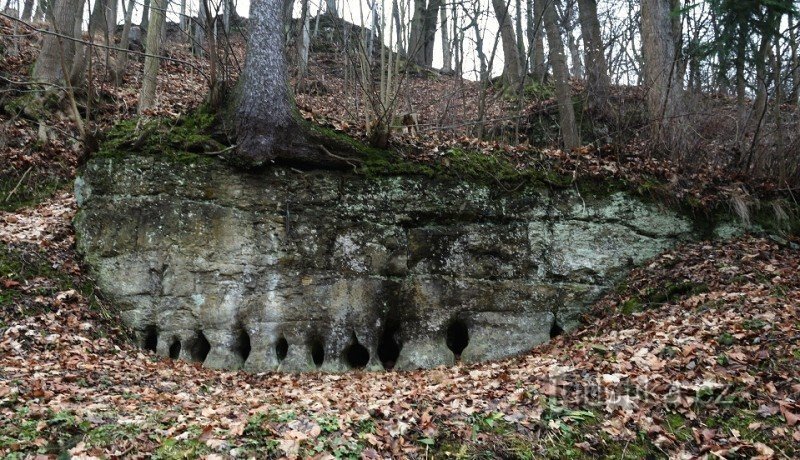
[{"x": 294, "y": 270}]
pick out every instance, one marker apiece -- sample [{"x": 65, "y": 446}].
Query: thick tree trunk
[
  {"x": 182, "y": 20},
  {"x": 597, "y": 78},
  {"x": 664, "y": 94},
  {"x": 416, "y": 42},
  {"x": 569, "y": 129},
  {"x": 264, "y": 115},
  {"x": 111, "y": 17},
  {"x": 200, "y": 29},
  {"x": 447, "y": 50},
  {"x": 146, "y": 15},
  {"x": 511, "y": 66},
  {"x": 536, "y": 39},
  {"x": 57, "y": 53},
  {"x": 147, "y": 98},
  {"x": 97, "y": 20},
  {"x": 27, "y": 10},
  {"x": 331, "y": 8},
  {"x": 431, "y": 19}
]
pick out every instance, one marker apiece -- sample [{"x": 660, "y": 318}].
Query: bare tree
[
  {"x": 55, "y": 59},
  {"x": 536, "y": 56},
  {"x": 569, "y": 129},
  {"x": 147, "y": 97},
  {"x": 512, "y": 70},
  {"x": 664, "y": 93},
  {"x": 597, "y": 78},
  {"x": 447, "y": 50},
  {"x": 264, "y": 114}
]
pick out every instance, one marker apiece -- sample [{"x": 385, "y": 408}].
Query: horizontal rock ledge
[{"x": 326, "y": 270}]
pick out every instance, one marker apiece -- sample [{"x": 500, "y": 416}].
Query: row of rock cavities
[{"x": 354, "y": 356}]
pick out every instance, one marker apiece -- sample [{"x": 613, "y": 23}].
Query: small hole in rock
[
  {"x": 555, "y": 330},
  {"x": 243, "y": 344},
  {"x": 175, "y": 349},
  {"x": 150, "y": 339},
  {"x": 281, "y": 348},
  {"x": 199, "y": 348},
  {"x": 317, "y": 353},
  {"x": 356, "y": 355},
  {"x": 457, "y": 337},
  {"x": 388, "y": 345}
]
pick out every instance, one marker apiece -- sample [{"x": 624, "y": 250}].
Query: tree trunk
[
  {"x": 27, "y": 10},
  {"x": 597, "y": 78},
  {"x": 536, "y": 39},
  {"x": 795, "y": 62},
  {"x": 569, "y": 129},
  {"x": 62, "y": 18},
  {"x": 264, "y": 115},
  {"x": 331, "y": 8},
  {"x": 147, "y": 97},
  {"x": 664, "y": 94},
  {"x": 200, "y": 29},
  {"x": 182, "y": 20},
  {"x": 146, "y": 16},
  {"x": 111, "y": 18},
  {"x": 520, "y": 38},
  {"x": 416, "y": 43},
  {"x": 511, "y": 67},
  {"x": 401, "y": 49},
  {"x": 431, "y": 19},
  {"x": 122, "y": 56},
  {"x": 303, "y": 41},
  {"x": 447, "y": 51},
  {"x": 97, "y": 20}
]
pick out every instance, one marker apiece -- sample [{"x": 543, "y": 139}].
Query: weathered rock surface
[{"x": 294, "y": 270}]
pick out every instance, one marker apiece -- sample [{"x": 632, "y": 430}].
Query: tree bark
[
  {"x": 264, "y": 115},
  {"x": 597, "y": 78},
  {"x": 27, "y": 10},
  {"x": 122, "y": 56},
  {"x": 416, "y": 42},
  {"x": 62, "y": 18},
  {"x": 664, "y": 94},
  {"x": 511, "y": 66},
  {"x": 536, "y": 39},
  {"x": 569, "y": 129},
  {"x": 447, "y": 51},
  {"x": 97, "y": 20},
  {"x": 145, "y": 22},
  {"x": 331, "y": 8},
  {"x": 147, "y": 97}
]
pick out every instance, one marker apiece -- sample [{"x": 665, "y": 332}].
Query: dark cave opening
[
  {"x": 317, "y": 352},
  {"x": 555, "y": 330},
  {"x": 281, "y": 348},
  {"x": 389, "y": 346},
  {"x": 175, "y": 348},
  {"x": 457, "y": 337},
  {"x": 199, "y": 347},
  {"x": 356, "y": 355},
  {"x": 150, "y": 339},
  {"x": 243, "y": 344}
]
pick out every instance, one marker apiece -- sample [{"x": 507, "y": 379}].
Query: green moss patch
[{"x": 188, "y": 138}]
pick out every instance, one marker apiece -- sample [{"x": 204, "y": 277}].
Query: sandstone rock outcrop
[{"x": 291, "y": 270}]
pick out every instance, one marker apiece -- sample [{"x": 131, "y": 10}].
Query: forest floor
[{"x": 694, "y": 355}]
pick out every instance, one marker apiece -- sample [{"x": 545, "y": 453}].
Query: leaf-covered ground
[{"x": 695, "y": 355}]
